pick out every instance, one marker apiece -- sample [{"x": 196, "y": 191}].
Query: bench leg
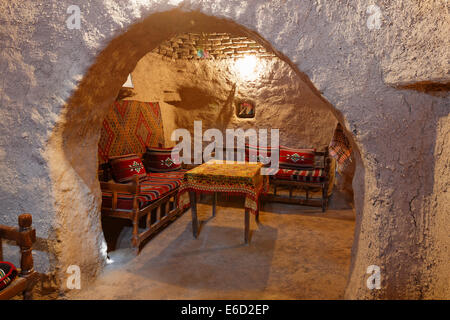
[
  {"x": 135, "y": 239},
  {"x": 257, "y": 211},
  {"x": 193, "y": 199},
  {"x": 247, "y": 225},
  {"x": 27, "y": 295},
  {"x": 324, "y": 198}
]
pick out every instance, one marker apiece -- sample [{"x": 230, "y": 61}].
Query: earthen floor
[{"x": 296, "y": 252}]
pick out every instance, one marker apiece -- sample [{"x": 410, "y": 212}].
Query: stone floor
[{"x": 295, "y": 252}]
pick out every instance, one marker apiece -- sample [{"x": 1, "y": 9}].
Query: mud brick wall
[{"x": 218, "y": 46}]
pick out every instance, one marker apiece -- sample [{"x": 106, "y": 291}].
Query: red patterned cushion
[
  {"x": 7, "y": 274},
  {"x": 297, "y": 158},
  {"x": 124, "y": 168},
  {"x": 152, "y": 187},
  {"x": 312, "y": 175},
  {"x": 160, "y": 160},
  {"x": 258, "y": 150}
]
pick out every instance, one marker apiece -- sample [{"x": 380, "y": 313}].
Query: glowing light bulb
[
  {"x": 175, "y": 2},
  {"x": 247, "y": 68}
]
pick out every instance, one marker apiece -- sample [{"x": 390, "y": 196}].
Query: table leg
[
  {"x": 247, "y": 225},
  {"x": 257, "y": 211},
  {"x": 193, "y": 199},
  {"x": 214, "y": 204}
]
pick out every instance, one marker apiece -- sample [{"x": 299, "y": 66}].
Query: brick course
[{"x": 218, "y": 45}]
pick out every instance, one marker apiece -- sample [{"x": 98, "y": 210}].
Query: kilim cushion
[
  {"x": 129, "y": 127},
  {"x": 297, "y": 158},
  {"x": 160, "y": 160},
  {"x": 125, "y": 167},
  {"x": 262, "y": 154},
  {"x": 7, "y": 274},
  {"x": 312, "y": 175},
  {"x": 152, "y": 187}
]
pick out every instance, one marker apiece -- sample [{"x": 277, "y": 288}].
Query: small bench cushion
[
  {"x": 125, "y": 167},
  {"x": 311, "y": 175},
  {"x": 153, "y": 187},
  {"x": 7, "y": 274},
  {"x": 258, "y": 154},
  {"x": 297, "y": 158},
  {"x": 160, "y": 160}
]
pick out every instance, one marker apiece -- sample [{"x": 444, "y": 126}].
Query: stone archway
[
  {"x": 401, "y": 172},
  {"x": 78, "y": 132}
]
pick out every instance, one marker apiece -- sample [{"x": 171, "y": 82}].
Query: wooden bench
[
  {"x": 291, "y": 185},
  {"x": 157, "y": 214},
  {"x": 308, "y": 187},
  {"x": 24, "y": 236}
]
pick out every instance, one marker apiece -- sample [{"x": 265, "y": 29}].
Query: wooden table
[{"x": 236, "y": 178}]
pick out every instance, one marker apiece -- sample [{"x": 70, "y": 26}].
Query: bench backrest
[{"x": 24, "y": 236}]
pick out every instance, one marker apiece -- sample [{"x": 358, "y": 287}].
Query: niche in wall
[{"x": 245, "y": 109}]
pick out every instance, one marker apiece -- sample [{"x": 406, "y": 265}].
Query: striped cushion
[
  {"x": 125, "y": 167},
  {"x": 7, "y": 274},
  {"x": 160, "y": 160},
  {"x": 154, "y": 186},
  {"x": 312, "y": 175},
  {"x": 297, "y": 158}
]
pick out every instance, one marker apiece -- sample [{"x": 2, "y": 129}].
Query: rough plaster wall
[
  {"x": 207, "y": 90},
  {"x": 354, "y": 68},
  {"x": 440, "y": 207},
  {"x": 25, "y": 125}
]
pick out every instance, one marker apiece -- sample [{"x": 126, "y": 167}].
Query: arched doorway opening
[{"x": 78, "y": 134}]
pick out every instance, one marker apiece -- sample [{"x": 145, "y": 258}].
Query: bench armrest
[
  {"x": 121, "y": 187},
  {"x": 24, "y": 236},
  {"x": 116, "y": 188}
]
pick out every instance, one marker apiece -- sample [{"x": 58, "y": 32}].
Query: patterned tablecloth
[{"x": 236, "y": 178}]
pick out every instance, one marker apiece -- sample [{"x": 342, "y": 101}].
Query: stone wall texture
[
  {"x": 58, "y": 83},
  {"x": 208, "y": 91},
  {"x": 217, "y": 46}
]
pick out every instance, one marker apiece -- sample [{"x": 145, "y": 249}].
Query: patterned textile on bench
[
  {"x": 129, "y": 127},
  {"x": 312, "y": 175},
  {"x": 340, "y": 148},
  {"x": 153, "y": 187}
]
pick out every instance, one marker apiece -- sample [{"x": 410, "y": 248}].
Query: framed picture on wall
[{"x": 245, "y": 109}]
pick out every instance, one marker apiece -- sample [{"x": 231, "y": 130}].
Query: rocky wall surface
[
  {"x": 209, "y": 91},
  {"x": 58, "y": 83}
]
